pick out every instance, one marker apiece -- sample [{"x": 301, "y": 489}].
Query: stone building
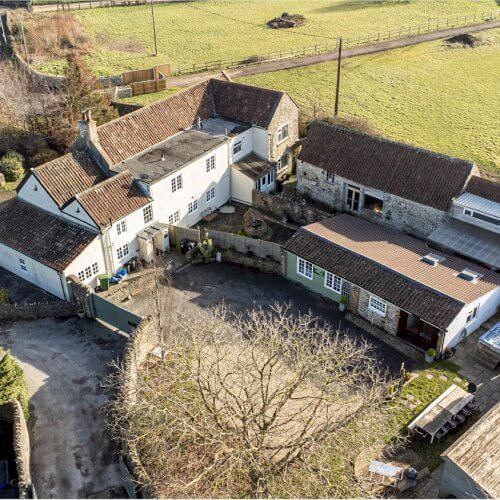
[
  {"x": 393, "y": 280},
  {"x": 407, "y": 188}
]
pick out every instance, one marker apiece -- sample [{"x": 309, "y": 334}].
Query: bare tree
[{"x": 270, "y": 403}]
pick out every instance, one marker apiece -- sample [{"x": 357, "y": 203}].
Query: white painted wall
[
  {"x": 488, "y": 305},
  {"x": 261, "y": 142},
  {"x": 39, "y": 198},
  {"x": 196, "y": 181},
  {"x": 92, "y": 254},
  {"x": 39, "y": 274},
  {"x": 246, "y": 139},
  {"x": 77, "y": 214},
  {"x": 241, "y": 187}
]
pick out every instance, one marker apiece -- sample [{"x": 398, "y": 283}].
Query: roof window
[
  {"x": 469, "y": 275},
  {"x": 432, "y": 259}
]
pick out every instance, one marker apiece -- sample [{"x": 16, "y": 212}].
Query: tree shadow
[{"x": 361, "y": 4}]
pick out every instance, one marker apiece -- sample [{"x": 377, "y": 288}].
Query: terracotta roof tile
[
  {"x": 42, "y": 236},
  {"x": 406, "y": 171},
  {"x": 68, "y": 175},
  {"x": 484, "y": 188},
  {"x": 113, "y": 199}
]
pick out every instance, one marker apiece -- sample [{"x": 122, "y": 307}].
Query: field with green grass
[
  {"x": 436, "y": 97},
  {"x": 208, "y": 30}
]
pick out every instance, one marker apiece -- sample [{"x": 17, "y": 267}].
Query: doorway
[{"x": 416, "y": 331}]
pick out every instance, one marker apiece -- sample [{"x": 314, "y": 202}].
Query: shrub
[
  {"x": 12, "y": 383},
  {"x": 12, "y": 166},
  {"x": 4, "y": 296},
  {"x": 431, "y": 352},
  {"x": 343, "y": 299},
  {"x": 43, "y": 156}
]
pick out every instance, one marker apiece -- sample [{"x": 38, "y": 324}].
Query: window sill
[
  {"x": 376, "y": 311},
  {"x": 304, "y": 276}
]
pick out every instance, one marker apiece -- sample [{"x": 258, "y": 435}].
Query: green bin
[{"x": 103, "y": 282}]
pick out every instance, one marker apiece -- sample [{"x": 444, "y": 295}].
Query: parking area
[
  {"x": 242, "y": 289},
  {"x": 22, "y": 291},
  {"x": 65, "y": 364}
]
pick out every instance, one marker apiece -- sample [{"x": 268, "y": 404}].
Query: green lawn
[
  {"x": 207, "y": 30},
  {"x": 436, "y": 97},
  {"x": 145, "y": 99}
]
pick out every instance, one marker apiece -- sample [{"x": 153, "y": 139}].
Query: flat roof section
[
  {"x": 253, "y": 166},
  {"x": 170, "y": 155}
]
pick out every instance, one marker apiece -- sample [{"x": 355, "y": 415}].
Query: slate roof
[
  {"x": 113, "y": 199},
  {"x": 477, "y": 452},
  {"x": 42, "y": 236},
  {"x": 129, "y": 135},
  {"x": 484, "y": 188},
  {"x": 387, "y": 263},
  {"x": 68, "y": 175},
  {"x": 253, "y": 166},
  {"x": 406, "y": 171}
]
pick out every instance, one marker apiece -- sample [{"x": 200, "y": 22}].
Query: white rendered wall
[
  {"x": 39, "y": 198},
  {"x": 246, "y": 139},
  {"x": 92, "y": 254},
  {"x": 261, "y": 142},
  {"x": 77, "y": 214},
  {"x": 196, "y": 181},
  {"x": 241, "y": 187}
]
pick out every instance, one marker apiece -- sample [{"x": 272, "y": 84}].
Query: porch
[{"x": 417, "y": 332}]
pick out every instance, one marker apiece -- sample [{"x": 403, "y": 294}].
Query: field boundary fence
[{"x": 228, "y": 241}]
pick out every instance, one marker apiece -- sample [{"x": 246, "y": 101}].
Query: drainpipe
[
  {"x": 440, "y": 343},
  {"x": 107, "y": 251},
  {"x": 64, "y": 287}
]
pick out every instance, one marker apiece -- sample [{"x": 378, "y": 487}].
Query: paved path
[
  {"x": 266, "y": 67},
  {"x": 88, "y": 5}
]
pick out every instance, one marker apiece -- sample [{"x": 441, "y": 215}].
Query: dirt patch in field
[
  {"x": 123, "y": 45},
  {"x": 465, "y": 40}
]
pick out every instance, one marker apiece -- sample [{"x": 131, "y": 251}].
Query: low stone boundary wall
[
  {"x": 12, "y": 412},
  {"x": 295, "y": 209},
  {"x": 269, "y": 266},
  {"x": 38, "y": 310}
]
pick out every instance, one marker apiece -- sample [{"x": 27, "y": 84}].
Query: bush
[
  {"x": 4, "y": 296},
  {"x": 43, "y": 156},
  {"x": 12, "y": 383},
  {"x": 12, "y": 166}
]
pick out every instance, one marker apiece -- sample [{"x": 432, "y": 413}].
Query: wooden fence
[
  {"x": 159, "y": 72},
  {"x": 228, "y": 241}
]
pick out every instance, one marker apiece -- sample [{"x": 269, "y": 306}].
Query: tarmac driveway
[
  {"x": 65, "y": 363},
  {"x": 242, "y": 289}
]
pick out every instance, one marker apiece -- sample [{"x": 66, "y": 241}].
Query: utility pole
[
  {"x": 154, "y": 26},
  {"x": 339, "y": 67}
]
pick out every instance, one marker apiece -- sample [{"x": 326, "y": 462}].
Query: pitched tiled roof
[
  {"x": 388, "y": 264},
  {"x": 113, "y": 199},
  {"x": 68, "y": 175},
  {"x": 42, "y": 236},
  {"x": 253, "y": 166},
  {"x": 406, "y": 171},
  {"x": 245, "y": 103},
  {"x": 484, "y": 188},
  {"x": 129, "y": 135}
]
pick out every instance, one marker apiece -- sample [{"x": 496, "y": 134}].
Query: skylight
[
  {"x": 432, "y": 259},
  {"x": 469, "y": 275}
]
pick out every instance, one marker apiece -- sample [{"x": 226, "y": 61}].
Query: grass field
[
  {"x": 441, "y": 98},
  {"x": 207, "y": 30}
]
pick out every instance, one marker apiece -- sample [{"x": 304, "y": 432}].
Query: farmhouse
[
  {"x": 169, "y": 163},
  {"x": 396, "y": 282},
  {"x": 407, "y": 188}
]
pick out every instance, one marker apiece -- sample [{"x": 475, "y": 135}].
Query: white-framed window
[
  {"x": 193, "y": 206},
  {"x": 257, "y": 185},
  {"x": 147, "y": 212},
  {"x": 23, "y": 265},
  {"x": 377, "y": 305},
  {"x": 176, "y": 183},
  {"x": 174, "y": 218},
  {"x": 210, "y": 194},
  {"x": 121, "y": 227},
  {"x": 305, "y": 268},
  {"x": 88, "y": 272},
  {"x": 283, "y": 133},
  {"x": 480, "y": 216},
  {"x": 237, "y": 147},
  {"x": 210, "y": 163},
  {"x": 329, "y": 177},
  {"x": 95, "y": 268},
  {"x": 263, "y": 181},
  {"x": 122, "y": 251},
  {"x": 472, "y": 314},
  {"x": 333, "y": 282},
  {"x": 81, "y": 275}
]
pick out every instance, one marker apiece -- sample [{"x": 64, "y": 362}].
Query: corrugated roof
[
  {"x": 485, "y": 188},
  {"x": 403, "y": 254},
  {"x": 113, "y": 199},
  {"x": 479, "y": 203},
  {"x": 477, "y": 452},
  {"x": 469, "y": 240},
  {"x": 436, "y": 309},
  {"x": 42, "y": 236},
  {"x": 253, "y": 166},
  {"x": 68, "y": 175},
  {"x": 406, "y": 171}
]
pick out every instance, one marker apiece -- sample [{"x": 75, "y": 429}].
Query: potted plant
[
  {"x": 343, "y": 303},
  {"x": 430, "y": 354}
]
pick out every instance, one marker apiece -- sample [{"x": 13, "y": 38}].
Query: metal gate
[{"x": 114, "y": 315}]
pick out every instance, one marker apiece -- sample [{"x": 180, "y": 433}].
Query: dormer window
[
  {"x": 469, "y": 275},
  {"x": 432, "y": 259}
]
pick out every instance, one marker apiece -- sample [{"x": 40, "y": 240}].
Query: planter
[
  {"x": 81, "y": 313},
  {"x": 342, "y": 306},
  {"x": 430, "y": 355}
]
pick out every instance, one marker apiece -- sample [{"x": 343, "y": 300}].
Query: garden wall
[{"x": 37, "y": 310}]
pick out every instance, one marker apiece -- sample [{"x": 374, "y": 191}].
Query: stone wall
[
  {"x": 287, "y": 112},
  {"x": 295, "y": 209},
  {"x": 38, "y": 310},
  {"x": 399, "y": 213},
  {"x": 12, "y": 412},
  {"x": 123, "y": 108},
  {"x": 389, "y": 322},
  {"x": 269, "y": 266}
]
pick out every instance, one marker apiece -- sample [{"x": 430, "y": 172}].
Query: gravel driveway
[{"x": 65, "y": 363}]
